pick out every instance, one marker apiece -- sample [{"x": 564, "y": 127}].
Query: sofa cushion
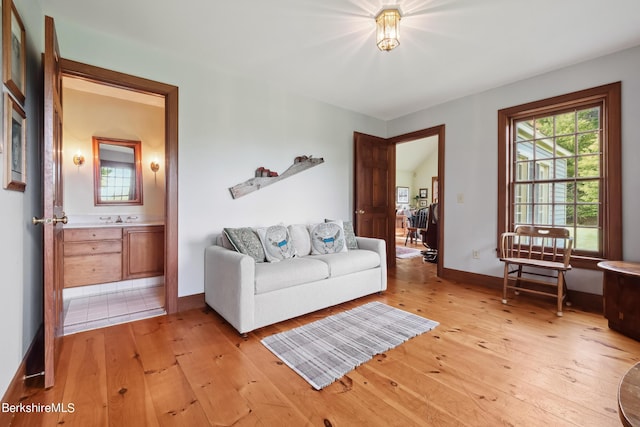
[
  {"x": 277, "y": 243},
  {"x": 350, "y": 262},
  {"x": 301, "y": 240},
  {"x": 349, "y": 233},
  {"x": 244, "y": 240},
  {"x": 327, "y": 238},
  {"x": 292, "y": 272}
]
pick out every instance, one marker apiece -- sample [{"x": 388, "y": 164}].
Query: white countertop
[
  {"x": 111, "y": 220},
  {"x": 112, "y": 224}
]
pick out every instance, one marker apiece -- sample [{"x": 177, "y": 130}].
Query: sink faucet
[{"x": 119, "y": 219}]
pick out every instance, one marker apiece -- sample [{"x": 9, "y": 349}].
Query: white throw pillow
[
  {"x": 300, "y": 237},
  {"x": 276, "y": 242},
  {"x": 327, "y": 238}
]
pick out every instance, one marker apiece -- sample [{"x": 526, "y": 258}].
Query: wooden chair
[
  {"x": 416, "y": 222},
  {"x": 542, "y": 251}
]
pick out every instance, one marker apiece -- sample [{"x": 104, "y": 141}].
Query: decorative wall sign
[{"x": 300, "y": 164}]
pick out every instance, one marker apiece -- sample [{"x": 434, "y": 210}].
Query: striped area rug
[{"x": 327, "y": 349}]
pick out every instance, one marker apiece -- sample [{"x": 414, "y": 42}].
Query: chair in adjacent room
[
  {"x": 430, "y": 235},
  {"x": 416, "y": 222}
]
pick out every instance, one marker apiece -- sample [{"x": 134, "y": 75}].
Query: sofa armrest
[
  {"x": 380, "y": 247},
  {"x": 230, "y": 286}
]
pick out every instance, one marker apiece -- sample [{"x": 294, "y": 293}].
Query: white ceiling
[{"x": 325, "y": 49}]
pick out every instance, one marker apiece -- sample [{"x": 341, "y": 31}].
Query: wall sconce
[
  {"x": 388, "y": 29},
  {"x": 155, "y": 166},
  {"x": 78, "y": 159}
]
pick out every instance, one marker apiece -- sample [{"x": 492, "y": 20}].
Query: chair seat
[{"x": 552, "y": 265}]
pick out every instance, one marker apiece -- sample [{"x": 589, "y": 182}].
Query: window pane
[
  {"x": 588, "y": 166},
  {"x": 561, "y": 192},
  {"x": 544, "y": 169},
  {"x": 524, "y": 150},
  {"x": 542, "y": 214},
  {"x": 587, "y": 239},
  {"x": 523, "y": 213},
  {"x": 589, "y": 143},
  {"x": 564, "y": 215},
  {"x": 566, "y": 168},
  {"x": 589, "y": 119},
  {"x": 544, "y": 127},
  {"x": 587, "y": 215},
  {"x": 542, "y": 193},
  {"x": 524, "y": 171},
  {"x": 523, "y": 193},
  {"x": 544, "y": 148},
  {"x": 524, "y": 130},
  {"x": 566, "y": 146},
  {"x": 588, "y": 191},
  {"x": 565, "y": 123}
]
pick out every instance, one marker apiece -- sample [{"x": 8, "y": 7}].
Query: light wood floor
[{"x": 485, "y": 365}]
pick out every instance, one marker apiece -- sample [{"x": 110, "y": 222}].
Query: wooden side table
[
  {"x": 629, "y": 397},
  {"x": 621, "y": 291}
]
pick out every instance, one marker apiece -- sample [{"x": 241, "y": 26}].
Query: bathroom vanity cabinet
[{"x": 111, "y": 254}]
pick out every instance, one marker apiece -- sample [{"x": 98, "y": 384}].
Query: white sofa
[{"x": 250, "y": 294}]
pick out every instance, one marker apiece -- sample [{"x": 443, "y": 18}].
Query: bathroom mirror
[{"x": 117, "y": 172}]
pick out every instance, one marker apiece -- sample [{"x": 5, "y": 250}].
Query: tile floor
[{"x": 97, "y": 311}]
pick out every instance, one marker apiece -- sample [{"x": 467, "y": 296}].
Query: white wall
[
  {"x": 423, "y": 174},
  {"x": 229, "y": 126},
  {"x": 404, "y": 178},
  {"x": 21, "y": 242},
  {"x": 87, "y": 115},
  {"x": 471, "y": 159}
]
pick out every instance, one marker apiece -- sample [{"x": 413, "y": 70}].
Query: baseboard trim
[
  {"x": 17, "y": 388},
  {"x": 592, "y": 303},
  {"x": 190, "y": 302}
]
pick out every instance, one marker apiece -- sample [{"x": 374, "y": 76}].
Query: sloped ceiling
[{"x": 326, "y": 49}]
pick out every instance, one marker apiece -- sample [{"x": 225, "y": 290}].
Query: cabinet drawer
[
  {"x": 92, "y": 269},
  {"x": 82, "y": 234},
  {"x": 89, "y": 248}
]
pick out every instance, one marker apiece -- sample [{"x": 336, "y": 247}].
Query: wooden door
[
  {"x": 374, "y": 200},
  {"x": 53, "y": 215}
]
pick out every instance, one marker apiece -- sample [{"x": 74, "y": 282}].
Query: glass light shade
[{"x": 388, "y": 29}]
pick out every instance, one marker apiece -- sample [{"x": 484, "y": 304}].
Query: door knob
[
  {"x": 359, "y": 212},
  {"x": 63, "y": 219},
  {"x": 54, "y": 220}
]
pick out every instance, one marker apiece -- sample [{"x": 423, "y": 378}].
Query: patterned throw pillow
[
  {"x": 245, "y": 241},
  {"x": 349, "y": 233},
  {"x": 327, "y": 238},
  {"x": 277, "y": 243}
]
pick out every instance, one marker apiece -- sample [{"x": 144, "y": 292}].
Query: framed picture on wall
[
  {"x": 424, "y": 193},
  {"x": 423, "y": 203},
  {"x": 15, "y": 136},
  {"x": 13, "y": 51},
  {"x": 402, "y": 194}
]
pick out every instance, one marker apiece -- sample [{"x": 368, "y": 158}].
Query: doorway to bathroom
[{"x": 131, "y": 274}]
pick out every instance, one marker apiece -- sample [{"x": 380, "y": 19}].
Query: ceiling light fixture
[{"x": 388, "y": 29}]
